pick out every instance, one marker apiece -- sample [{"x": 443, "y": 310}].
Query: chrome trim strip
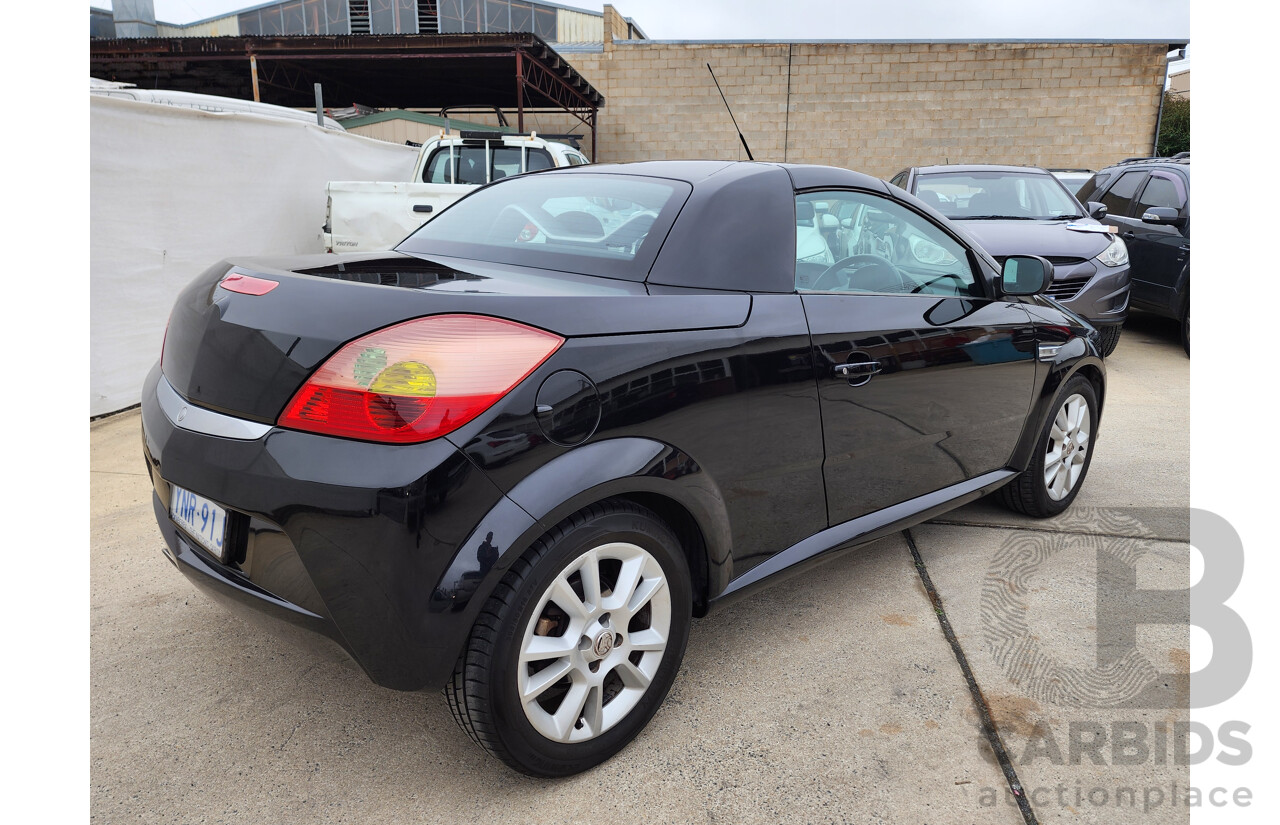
[{"x": 200, "y": 420}]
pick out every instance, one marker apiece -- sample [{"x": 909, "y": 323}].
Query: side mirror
[
  {"x": 1163, "y": 215},
  {"x": 1025, "y": 275},
  {"x": 847, "y": 223},
  {"x": 1096, "y": 210}
]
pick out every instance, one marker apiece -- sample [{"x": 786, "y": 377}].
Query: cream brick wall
[{"x": 878, "y": 107}]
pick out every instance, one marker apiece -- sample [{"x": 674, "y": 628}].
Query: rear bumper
[{"x": 348, "y": 540}]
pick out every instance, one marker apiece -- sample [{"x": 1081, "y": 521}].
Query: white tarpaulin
[{"x": 173, "y": 191}]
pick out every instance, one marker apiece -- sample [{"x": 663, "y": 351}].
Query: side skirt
[{"x": 834, "y": 541}]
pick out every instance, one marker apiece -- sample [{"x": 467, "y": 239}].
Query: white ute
[{"x": 375, "y": 215}]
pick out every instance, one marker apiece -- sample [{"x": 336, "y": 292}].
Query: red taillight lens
[{"x": 418, "y": 380}]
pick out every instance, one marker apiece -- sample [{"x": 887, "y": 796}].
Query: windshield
[
  {"x": 997, "y": 195},
  {"x": 609, "y": 225}
]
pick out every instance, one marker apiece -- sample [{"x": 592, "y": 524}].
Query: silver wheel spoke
[
  {"x": 632, "y": 676},
  {"x": 593, "y": 711},
  {"x": 628, "y": 578},
  {"x": 548, "y": 647},
  {"x": 1050, "y": 471},
  {"x": 562, "y": 594},
  {"x": 644, "y": 593},
  {"x": 545, "y": 678},
  {"x": 570, "y": 710},
  {"x": 590, "y": 573},
  {"x": 646, "y": 640}
]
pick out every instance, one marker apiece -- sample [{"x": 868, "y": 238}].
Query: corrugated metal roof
[
  {"x": 587, "y": 47},
  {"x": 421, "y": 117}
]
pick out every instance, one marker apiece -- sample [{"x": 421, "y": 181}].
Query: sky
[{"x": 849, "y": 19}]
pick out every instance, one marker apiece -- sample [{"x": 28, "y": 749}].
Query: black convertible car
[{"x": 514, "y": 457}]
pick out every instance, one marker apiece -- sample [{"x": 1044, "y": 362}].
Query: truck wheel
[{"x": 578, "y": 645}]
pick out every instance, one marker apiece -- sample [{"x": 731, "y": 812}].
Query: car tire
[
  {"x": 627, "y": 648},
  {"x": 1057, "y": 471},
  {"x": 1109, "y": 336}
]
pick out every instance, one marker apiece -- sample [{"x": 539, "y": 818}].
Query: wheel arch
[
  {"x": 652, "y": 474},
  {"x": 1089, "y": 366}
]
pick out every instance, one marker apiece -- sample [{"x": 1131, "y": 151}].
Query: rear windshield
[
  {"x": 995, "y": 195},
  {"x": 608, "y": 225}
]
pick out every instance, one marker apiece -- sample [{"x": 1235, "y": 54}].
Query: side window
[
  {"x": 1117, "y": 199},
  {"x": 505, "y": 160},
  {"x": 576, "y": 160},
  {"x": 468, "y": 165},
  {"x": 539, "y": 159},
  {"x": 900, "y": 180},
  {"x": 1163, "y": 189},
  {"x": 1092, "y": 186},
  {"x": 859, "y": 242}
]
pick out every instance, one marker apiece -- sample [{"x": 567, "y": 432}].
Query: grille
[{"x": 1067, "y": 288}]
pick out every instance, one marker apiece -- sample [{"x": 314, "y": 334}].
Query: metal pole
[
  {"x": 253, "y": 70},
  {"x": 520, "y": 92},
  {"x": 1155, "y": 139},
  {"x": 319, "y": 107}
]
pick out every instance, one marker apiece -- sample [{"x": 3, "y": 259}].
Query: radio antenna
[{"x": 731, "y": 117}]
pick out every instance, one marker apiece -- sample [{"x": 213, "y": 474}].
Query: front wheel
[
  {"x": 579, "y": 643},
  {"x": 1057, "y": 471},
  {"x": 1109, "y": 337}
]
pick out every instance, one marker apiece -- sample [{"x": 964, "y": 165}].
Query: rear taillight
[{"x": 418, "y": 380}]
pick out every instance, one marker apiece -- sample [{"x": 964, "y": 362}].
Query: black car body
[
  {"x": 1091, "y": 270},
  {"x": 695, "y": 394},
  {"x": 1149, "y": 201}
]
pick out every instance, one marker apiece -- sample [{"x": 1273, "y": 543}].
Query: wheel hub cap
[{"x": 604, "y": 644}]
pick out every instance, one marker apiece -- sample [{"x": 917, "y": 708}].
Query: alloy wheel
[
  {"x": 1067, "y": 448},
  {"x": 594, "y": 642}
]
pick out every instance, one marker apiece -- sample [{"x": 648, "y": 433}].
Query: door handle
[
  {"x": 422, "y": 207},
  {"x": 859, "y": 372},
  {"x": 1130, "y": 235}
]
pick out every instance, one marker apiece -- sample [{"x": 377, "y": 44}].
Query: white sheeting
[{"x": 173, "y": 191}]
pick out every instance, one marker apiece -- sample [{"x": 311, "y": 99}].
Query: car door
[
  {"x": 1158, "y": 252},
  {"x": 924, "y": 380},
  {"x": 1121, "y": 202}
]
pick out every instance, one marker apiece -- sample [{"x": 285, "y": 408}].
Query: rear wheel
[
  {"x": 578, "y": 645},
  {"x": 1057, "y": 472},
  {"x": 1110, "y": 336}
]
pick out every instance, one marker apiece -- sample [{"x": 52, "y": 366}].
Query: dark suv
[{"x": 1149, "y": 200}]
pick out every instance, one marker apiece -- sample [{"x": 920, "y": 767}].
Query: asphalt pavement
[{"x": 973, "y": 669}]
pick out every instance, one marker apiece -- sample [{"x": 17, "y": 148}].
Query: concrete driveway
[{"x": 844, "y": 697}]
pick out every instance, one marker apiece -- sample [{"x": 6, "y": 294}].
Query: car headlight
[
  {"x": 928, "y": 252},
  {"x": 1116, "y": 253}
]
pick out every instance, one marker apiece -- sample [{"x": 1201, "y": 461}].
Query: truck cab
[{"x": 366, "y": 216}]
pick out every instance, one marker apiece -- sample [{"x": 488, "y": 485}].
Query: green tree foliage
[{"x": 1175, "y": 126}]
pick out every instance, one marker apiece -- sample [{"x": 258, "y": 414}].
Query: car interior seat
[{"x": 581, "y": 224}]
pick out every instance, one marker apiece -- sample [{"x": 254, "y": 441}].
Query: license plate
[{"x": 200, "y": 518}]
